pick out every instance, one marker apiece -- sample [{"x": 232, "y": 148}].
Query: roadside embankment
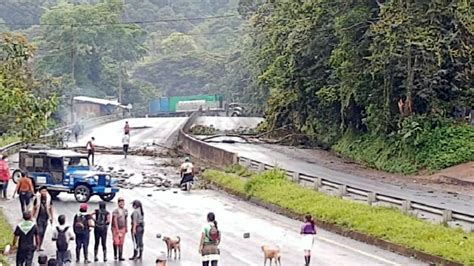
[
  {"x": 384, "y": 227},
  {"x": 5, "y": 237}
]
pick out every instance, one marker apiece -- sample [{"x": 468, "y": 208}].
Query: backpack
[
  {"x": 62, "y": 241},
  {"x": 101, "y": 218},
  {"x": 80, "y": 224},
  {"x": 214, "y": 234}
]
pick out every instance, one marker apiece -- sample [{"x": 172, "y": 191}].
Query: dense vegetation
[
  {"x": 384, "y": 223},
  {"x": 395, "y": 73},
  {"x": 130, "y": 50},
  {"x": 387, "y": 76}
]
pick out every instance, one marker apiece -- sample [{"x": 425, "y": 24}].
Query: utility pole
[{"x": 73, "y": 70}]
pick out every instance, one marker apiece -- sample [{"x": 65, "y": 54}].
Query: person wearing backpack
[
  {"x": 102, "y": 221},
  {"x": 62, "y": 235},
  {"x": 43, "y": 212},
  {"x": 210, "y": 240},
  {"x": 82, "y": 224}
]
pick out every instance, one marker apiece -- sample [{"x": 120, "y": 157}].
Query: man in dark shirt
[
  {"x": 43, "y": 211},
  {"x": 26, "y": 234}
]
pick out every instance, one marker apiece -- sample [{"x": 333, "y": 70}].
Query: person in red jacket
[{"x": 4, "y": 175}]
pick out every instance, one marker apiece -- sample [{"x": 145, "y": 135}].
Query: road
[
  {"x": 173, "y": 213},
  {"x": 143, "y": 131},
  {"x": 299, "y": 160},
  {"x": 229, "y": 123}
]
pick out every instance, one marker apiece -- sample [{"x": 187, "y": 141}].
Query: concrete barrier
[{"x": 202, "y": 150}]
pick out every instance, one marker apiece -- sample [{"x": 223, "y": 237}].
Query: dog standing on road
[
  {"x": 173, "y": 244},
  {"x": 271, "y": 253}
]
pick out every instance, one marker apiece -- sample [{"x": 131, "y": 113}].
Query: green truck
[{"x": 183, "y": 104}]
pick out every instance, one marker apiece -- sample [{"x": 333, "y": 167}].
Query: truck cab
[{"x": 65, "y": 171}]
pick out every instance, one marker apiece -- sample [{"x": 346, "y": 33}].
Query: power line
[{"x": 120, "y": 23}]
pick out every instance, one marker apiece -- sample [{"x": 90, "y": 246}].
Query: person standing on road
[
  {"x": 186, "y": 171},
  {"x": 76, "y": 130},
  {"x": 82, "y": 224},
  {"x": 126, "y": 128},
  {"x": 119, "y": 229},
  {"x": 102, "y": 221},
  {"x": 25, "y": 190},
  {"x": 43, "y": 212},
  {"x": 90, "y": 146},
  {"x": 126, "y": 143},
  {"x": 138, "y": 229},
  {"x": 308, "y": 231},
  {"x": 62, "y": 235},
  {"x": 26, "y": 234},
  {"x": 4, "y": 176},
  {"x": 210, "y": 240}
]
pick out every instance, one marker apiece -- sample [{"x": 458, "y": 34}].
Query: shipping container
[
  {"x": 164, "y": 105},
  {"x": 179, "y": 104},
  {"x": 154, "y": 106}
]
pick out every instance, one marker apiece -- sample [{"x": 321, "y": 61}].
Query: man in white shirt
[
  {"x": 63, "y": 235},
  {"x": 186, "y": 171},
  {"x": 90, "y": 146},
  {"x": 126, "y": 143}
]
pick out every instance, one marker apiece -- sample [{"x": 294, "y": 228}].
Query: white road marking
[{"x": 358, "y": 251}]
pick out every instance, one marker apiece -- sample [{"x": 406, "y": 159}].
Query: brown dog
[
  {"x": 173, "y": 244},
  {"x": 271, "y": 253}
]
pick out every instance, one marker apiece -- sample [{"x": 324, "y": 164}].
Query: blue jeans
[
  {"x": 4, "y": 189},
  {"x": 63, "y": 257}
]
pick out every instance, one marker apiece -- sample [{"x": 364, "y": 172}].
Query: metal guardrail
[
  {"x": 371, "y": 197},
  {"x": 88, "y": 123}
]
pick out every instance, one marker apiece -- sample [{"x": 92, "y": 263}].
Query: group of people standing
[
  {"x": 29, "y": 234},
  {"x": 90, "y": 145}
]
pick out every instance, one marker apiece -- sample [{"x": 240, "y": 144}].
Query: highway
[
  {"x": 173, "y": 213},
  {"x": 299, "y": 160}
]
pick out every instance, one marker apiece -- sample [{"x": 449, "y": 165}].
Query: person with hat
[
  {"x": 186, "y": 171},
  {"x": 83, "y": 223},
  {"x": 138, "y": 228},
  {"x": 119, "y": 229},
  {"x": 161, "y": 259}
]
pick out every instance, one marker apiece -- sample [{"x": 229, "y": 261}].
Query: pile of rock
[{"x": 158, "y": 181}]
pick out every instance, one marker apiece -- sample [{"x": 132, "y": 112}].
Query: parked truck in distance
[{"x": 175, "y": 105}]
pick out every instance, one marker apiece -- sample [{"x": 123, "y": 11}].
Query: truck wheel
[
  {"x": 82, "y": 193},
  {"x": 16, "y": 176},
  {"x": 54, "y": 194},
  {"x": 107, "y": 197}
]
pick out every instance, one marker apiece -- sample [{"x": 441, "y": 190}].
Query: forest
[{"x": 388, "y": 83}]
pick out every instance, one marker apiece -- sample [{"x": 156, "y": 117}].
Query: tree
[{"x": 26, "y": 104}]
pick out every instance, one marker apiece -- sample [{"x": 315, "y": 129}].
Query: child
[{"x": 62, "y": 235}]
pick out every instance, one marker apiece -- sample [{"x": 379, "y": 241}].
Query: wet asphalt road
[
  {"x": 171, "y": 214},
  {"x": 177, "y": 213},
  {"x": 295, "y": 159}
]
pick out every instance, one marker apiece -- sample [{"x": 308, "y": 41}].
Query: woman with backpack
[
  {"x": 308, "y": 231},
  {"x": 138, "y": 229},
  {"x": 82, "y": 224},
  {"x": 102, "y": 221},
  {"x": 210, "y": 240}
]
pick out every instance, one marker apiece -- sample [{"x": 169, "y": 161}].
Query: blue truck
[{"x": 65, "y": 171}]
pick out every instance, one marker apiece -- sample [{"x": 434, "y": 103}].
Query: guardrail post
[
  {"x": 296, "y": 177},
  {"x": 342, "y": 190},
  {"x": 371, "y": 198},
  {"x": 318, "y": 183},
  {"x": 261, "y": 167},
  {"x": 406, "y": 206},
  {"x": 447, "y": 216}
]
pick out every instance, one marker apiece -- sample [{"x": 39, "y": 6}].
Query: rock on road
[{"x": 171, "y": 214}]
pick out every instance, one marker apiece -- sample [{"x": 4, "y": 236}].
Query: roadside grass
[
  {"x": 5, "y": 236},
  {"x": 385, "y": 223}
]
